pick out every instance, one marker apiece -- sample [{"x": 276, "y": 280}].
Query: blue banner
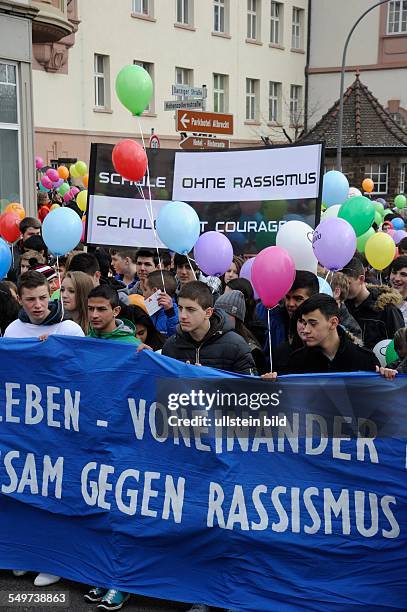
[{"x": 97, "y": 486}]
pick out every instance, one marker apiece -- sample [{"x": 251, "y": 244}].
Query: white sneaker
[
  {"x": 19, "y": 573},
  {"x": 45, "y": 579}
]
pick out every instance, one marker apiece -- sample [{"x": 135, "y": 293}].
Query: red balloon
[
  {"x": 43, "y": 212},
  {"x": 129, "y": 160},
  {"x": 10, "y": 226}
]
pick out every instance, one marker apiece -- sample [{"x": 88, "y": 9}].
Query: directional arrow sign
[
  {"x": 204, "y": 123},
  {"x": 196, "y": 143}
]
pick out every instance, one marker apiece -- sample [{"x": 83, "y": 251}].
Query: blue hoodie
[{"x": 166, "y": 321}]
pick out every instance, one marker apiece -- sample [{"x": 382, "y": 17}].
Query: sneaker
[
  {"x": 45, "y": 579},
  {"x": 199, "y": 608},
  {"x": 18, "y": 573},
  {"x": 95, "y": 595},
  {"x": 113, "y": 600}
]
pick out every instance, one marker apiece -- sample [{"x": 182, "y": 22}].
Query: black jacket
[
  {"x": 378, "y": 316},
  {"x": 349, "y": 358},
  {"x": 349, "y": 322},
  {"x": 221, "y": 348}
]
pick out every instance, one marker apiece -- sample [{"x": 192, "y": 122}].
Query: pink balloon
[
  {"x": 68, "y": 196},
  {"x": 46, "y": 182},
  {"x": 334, "y": 243},
  {"x": 39, "y": 163},
  {"x": 74, "y": 191},
  {"x": 52, "y": 174},
  {"x": 391, "y": 232},
  {"x": 246, "y": 272},
  {"x": 273, "y": 273}
]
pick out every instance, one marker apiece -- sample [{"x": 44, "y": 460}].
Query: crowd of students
[{"x": 203, "y": 320}]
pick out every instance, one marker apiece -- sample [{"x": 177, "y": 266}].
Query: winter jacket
[
  {"x": 166, "y": 321},
  {"x": 348, "y": 322},
  {"x": 349, "y": 358},
  {"x": 378, "y": 316},
  {"x": 124, "y": 332},
  {"x": 279, "y": 324},
  {"x": 221, "y": 348},
  {"x": 55, "y": 323}
]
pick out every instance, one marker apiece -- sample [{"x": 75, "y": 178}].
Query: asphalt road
[{"x": 76, "y": 591}]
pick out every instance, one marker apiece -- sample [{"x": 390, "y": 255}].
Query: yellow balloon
[
  {"x": 73, "y": 171},
  {"x": 54, "y": 206},
  {"x": 82, "y": 200},
  {"x": 380, "y": 250}
]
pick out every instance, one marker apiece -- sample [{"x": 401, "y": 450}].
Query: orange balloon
[
  {"x": 63, "y": 172},
  {"x": 138, "y": 300},
  {"x": 16, "y": 208},
  {"x": 85, "y": 180},
  {"x": 368, "y": 185}
]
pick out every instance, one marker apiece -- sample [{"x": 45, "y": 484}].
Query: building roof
[{"x": 365, "y": 122}]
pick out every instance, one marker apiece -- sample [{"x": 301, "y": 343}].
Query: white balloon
[
  {"x": 332, "y": 211},
  {"x": 354, "y": 191},
  {"x": 380, "y": 351},
  {"x": 296, "y": 238}
]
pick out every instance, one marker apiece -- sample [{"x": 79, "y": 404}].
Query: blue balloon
[
  {"x": 178, "y": 227},
  {"x": 42, "y": 188},
  {"x": 335, "y": 188},
  {"x": 5, "y": 258},
  {"x": 324, "y": 287},
  {"x": 398, "y": 223},
  {"x": 62, "y": 230}
]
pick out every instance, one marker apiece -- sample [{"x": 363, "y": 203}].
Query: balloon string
[
  {"x": 151, "y": 204},
  {"x": 60, "y": 295},
  {"x": 269, "y": 333},
  {"x": 190, "y": 265}
]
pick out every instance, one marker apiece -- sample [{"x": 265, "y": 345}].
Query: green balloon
[
  {"x": 134, "y": 88},
  {"x": 359, "y": 212},
  {"x": 63, "y": 189},
  {"x": 361, "y": 241},
  {"x": 378, "y": 206},
  {"x": 400, "y": 201},
  {"x": 378, "y": 219},
  {"x": 81, "y": 168},
  {"x": 387, "y": 212},
  {"x": 391, "y": 354}
]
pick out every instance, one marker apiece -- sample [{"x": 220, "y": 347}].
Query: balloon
[
  {"x": 368, "y": 185},
  {"x": 296, "y": 238},
  {"x": 5, "y": 258},
  {"x": 134, "y": 88},
  {"x": 43, "y": 212},
  {"x": 46, "y": 182},
  {"x": 398, "y": 223},
  {"x": 129, "y": 160},
  {"x": 74, "y": 191},
  {"x": 62, "y": 230},
  {"x": 42, "y": 188},
  {"x": 353, "y": 191},
  {"x": 52, "y": 174},
  {"x": 332, "y": 211},
  {"x": 382, "y": 201},
  {"x": 361, "y": 241},
  {"x": 39, "y": 163},
  {"x": 324, "y": 286},
  {"x": 392, "y": 232},
  {"x": 81, "y": 168},
  {"x": 380, "y": 351},
  {"x": 57, "y": 184},
  {"x": 400, "y": 201},
  {"x": 63, "y": 189},
  {"x": 54, "y": 206},
  {"x": 63, "y": 172},
  {"x": 82, "y": 200},
  {"x": 397, "y": 236},
  {"x": 378, "y": 206},
  {"x": 68, "y": 197},
  {"x": 380, "y": 250},
  {"x": 273, "y": 274},
  {"x": 85, "y": 180},
  {"x": 16, "y": 208},
  {"x": 335, "y": 188},
  {"x": 359, "y": 213},
  {"x": 327, "y": 236},
  {"x": 213, "y": 253},
  {"x": 378, "y": 219},
  {"x": 246, "y": 272},
  {"x": 178, "y": 226},
  {"x": 10, "y": 226},
  {"x": 73, "y": 171},
  {"x": 391, "y": 354}
]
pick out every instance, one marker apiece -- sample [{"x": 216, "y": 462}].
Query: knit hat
[
  {"x": 47, "y": 271},
  {"x": 233, "y": 303}
]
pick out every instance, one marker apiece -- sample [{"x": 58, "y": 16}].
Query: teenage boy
[
  {"x": 398, "y": 280},
  {"x": 340, "y": 289},
  {"x": 29, "y": 226},
  {"x": 103, "y": 310},
  {"x": 166, "y": 319},
  {"x": 124, "y": 264},
  {"x": 89, "y": 264},
  {"x": 403, "y": 247},
  {"x": 374, "y": 308},
  {"x": 187, "y": 271},
  {"x": 30, "y": 259},
  {"x": 146, "y": 262}
]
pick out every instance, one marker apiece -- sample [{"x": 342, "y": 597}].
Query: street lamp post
[{"x": 340, "y": 117}]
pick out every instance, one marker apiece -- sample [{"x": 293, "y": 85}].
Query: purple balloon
[
  {"x": 399, "y": 235},
  {"x": 58, "y": 183},
  {"x": 334, "y": 243},
  {"x": 213, "y": 253},
  {"x": 246, "y": 272}
]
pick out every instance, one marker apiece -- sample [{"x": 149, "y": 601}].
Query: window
[
  {"x": 102, "y": 94},
  {"x": 220, "y": 16},
  {"x": 403, "y": 178},
  {"x": 184, "y": 12},
  {"x": 252, "y": 97},
  {"x": 183, "y": 76},
  {"x": 9, "y": 135},
  {"x": 148, "y": 67},
  {"x": 274, "y": 102},
  {"x": 297, "y": 29},
  {"x": 399, "y": 119},
  {"x": 397, "y": 17},
  {"x": 142, "y": 7},
  {"x": 220, "y": 93},
  {"x": 295, "y": 105},
  {"x": 379, "y": 173},
  {"x": 276, "y": 26},
  {"x": 252, "y": 19}
]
